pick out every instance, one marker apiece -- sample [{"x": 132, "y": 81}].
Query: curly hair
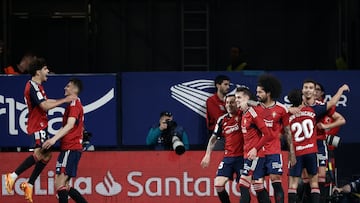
[{"x": 271, "y": 85}]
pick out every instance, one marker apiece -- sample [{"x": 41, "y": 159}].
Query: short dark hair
[
  {"x": 270, "y": 84},
  {"x": 229, "y": 95},
  {"x": 295, "y": 97},
  {"x": 35, "y": 65},
  {"x": 166, "y": 113},
  {"x": 78, "y": 83},
  {"x": 246, "y": 91},
  {"x": 321, "y": 87},
  {"x": 220, "y": 78},
  {"x": 309, "y": 81}
]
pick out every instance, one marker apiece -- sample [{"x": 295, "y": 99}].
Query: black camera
[
  {"x": 176, "y": 142},
  {"x": 333, "y": 140},
  {"x": 336, "y": 197}
]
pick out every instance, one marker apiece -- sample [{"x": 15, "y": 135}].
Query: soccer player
[
  {"x": 309, "y": 99},
  {"x": 215, "y": 106},
  {"x": 329, "y": 125},
  {"x": 38, "y": 104},
  {"x": 276, "y": 119},
  {"x": 303, "y": 127},
  {"x": 256, "y": 134},
  {"x": 227, "y": 126},
  {"x": 70, "y": 136}
]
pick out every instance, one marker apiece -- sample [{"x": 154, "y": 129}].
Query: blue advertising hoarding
[
  {"x": 145, "y": 95},
  {"x": 98, "y": 98}
]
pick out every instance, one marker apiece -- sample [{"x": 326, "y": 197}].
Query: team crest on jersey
[{"x": 274, "y": 114}]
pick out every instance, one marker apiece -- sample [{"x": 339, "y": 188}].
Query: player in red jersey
[
  {"x": 38, "y": 104},
  {"x": 276, "y": 119},
  {"x": 328, "y": 126},
  {"x": 215, "y": 106},
  {"x": 256, "y": 134},
  {"x": 309, "y": 100},
  {"x": 70, "y": 136},
  {"x": 303, "y": 126},
  {"x": 228, "y": 126}
]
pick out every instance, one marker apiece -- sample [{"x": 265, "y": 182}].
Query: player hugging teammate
[{"x": 262, "y": 124}]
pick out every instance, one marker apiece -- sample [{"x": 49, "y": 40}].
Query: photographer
[
  {"x": 167, "y": 135},
  {"x": 347, "y": 193}
]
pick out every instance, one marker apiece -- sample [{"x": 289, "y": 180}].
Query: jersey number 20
[{"x": 303, "y": 130}]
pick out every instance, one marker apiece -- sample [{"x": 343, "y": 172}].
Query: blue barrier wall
[
  {"x": 145, "y": 95},
  {"x": 98, "y": 98}
]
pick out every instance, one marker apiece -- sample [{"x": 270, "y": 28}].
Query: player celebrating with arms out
[
  {"x": 37, "y": 103},
  {"x": 70, "y": 136},
  {"x": 303, "y": 127},
  {"x": 227, "y": 126}
]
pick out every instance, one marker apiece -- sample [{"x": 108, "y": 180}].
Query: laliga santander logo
[
  {"x": 109, "y": 187},
  {"x": 15, "y": 105},
  {"x": 194, "y": 94},
  {"x": 83, "y": 184}
]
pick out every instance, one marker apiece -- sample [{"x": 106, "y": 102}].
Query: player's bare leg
[
  {"x": 278, "y": 189},
  {"x": 315, "y": 192},
  {"x": 61, "y": 187},
  {"x": 11, "y": 177},
  {"x": 293, "y": 184},
  {"x": 322, "y": 183},
  {"x": 245, "y": 184},
  {"x": 261, "y": 192},
  {"x": 64, "y": 190},
  {"x": 220, "y": 182},
  {"x": 41, "y": 159}
]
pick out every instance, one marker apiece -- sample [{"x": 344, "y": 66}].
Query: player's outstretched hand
[
  {"x": 70, "y": 98},
  {"x": 252, "y": 154},
  {"x": 205, "y": 161},
  {"x": 345, "y": 87}
]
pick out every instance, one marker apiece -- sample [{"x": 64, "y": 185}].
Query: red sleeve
[
  {"x": 259, "y": 122},
  {"x": 208, "y": 116},
  {"x": 285, "y": 119},
  {"x": 74, "y": 110}
]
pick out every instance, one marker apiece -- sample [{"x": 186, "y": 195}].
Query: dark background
[{"x": 78, "y": 36}]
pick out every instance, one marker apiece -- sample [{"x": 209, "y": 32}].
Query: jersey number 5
[{"x": 303, "y": 130}]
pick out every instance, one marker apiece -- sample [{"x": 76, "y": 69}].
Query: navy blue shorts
[
  {"x": 40, "y": 137},
  {"x": 254, "y": 168},
  {"x": 273, "y": 164},
  {"x": 307, "y": 161},
  {"x": 67, "y": 162},
  {"x": 230, "y": 165},
  {"x": 322, "y": 152}
]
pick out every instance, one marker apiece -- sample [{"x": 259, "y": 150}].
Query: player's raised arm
[{"x": 337, "y": 96}]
